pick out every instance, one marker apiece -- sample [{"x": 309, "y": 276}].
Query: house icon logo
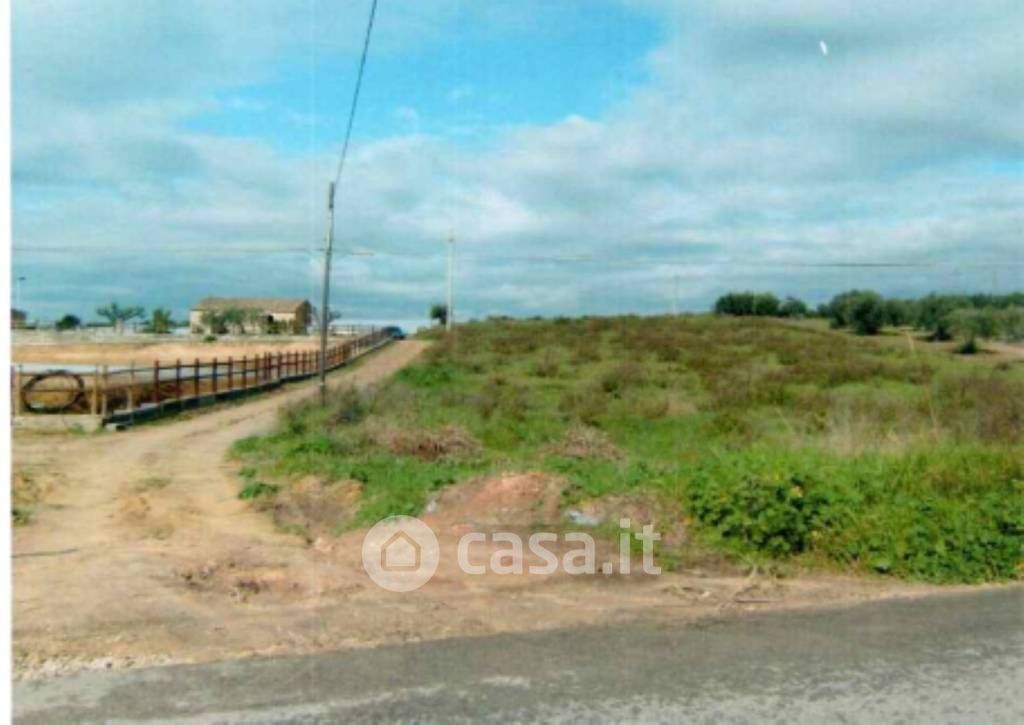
[{"x": 400, "y": 553}]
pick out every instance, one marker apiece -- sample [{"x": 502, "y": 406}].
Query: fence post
[
  {"x": 131, "y": 389},
  {"x": 177, "y": 380},
  {"x": 195, "y": 380},
  {"x": 245, "y": 368},
  {"x": 94, "y": 397},
  {"x": 103, "y": 392},
  {"x": 16, "y": 397},
  {"x": 231, "y": 373},
  {"x": 278, "y": 371},
  {"x": 215, "y": 377}
]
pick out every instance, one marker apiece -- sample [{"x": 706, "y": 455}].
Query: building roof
[{"x": 266, "y": 304}]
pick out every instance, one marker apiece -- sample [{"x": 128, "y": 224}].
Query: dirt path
[{"x": 143, "y": 553}]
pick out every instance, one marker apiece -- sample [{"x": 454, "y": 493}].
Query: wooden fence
[{"x": 131, "y": 392}]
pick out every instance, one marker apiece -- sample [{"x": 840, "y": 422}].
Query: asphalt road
[{"x": 955, "y": 658}]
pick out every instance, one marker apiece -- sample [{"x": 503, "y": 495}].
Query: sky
[{"x": 588, "y": 156}]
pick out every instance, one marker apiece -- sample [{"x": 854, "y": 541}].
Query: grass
[{"x": 781, "y": 442}]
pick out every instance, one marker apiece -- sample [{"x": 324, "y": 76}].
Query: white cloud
[{"x": 745, "y": 152}]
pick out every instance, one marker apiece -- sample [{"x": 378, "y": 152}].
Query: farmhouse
[{"x": 250, "y": 314}]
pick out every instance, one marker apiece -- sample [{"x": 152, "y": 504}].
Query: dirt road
[{"x": 142, "y": 553}]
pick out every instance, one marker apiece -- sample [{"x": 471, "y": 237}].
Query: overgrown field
[{"x": 775, "y": 442}]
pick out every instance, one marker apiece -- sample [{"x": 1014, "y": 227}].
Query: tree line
[
  {"x": 159, "y": 322},
  {"x": 865, "y": 312}
]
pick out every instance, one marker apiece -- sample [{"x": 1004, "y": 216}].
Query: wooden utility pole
[{"x": 325, "y": 301}]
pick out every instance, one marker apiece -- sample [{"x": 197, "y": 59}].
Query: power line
[
  {"x": 332, "y": 190},
  {"x": 205, "y": 251},
  {"x": 355, "y": 93}
]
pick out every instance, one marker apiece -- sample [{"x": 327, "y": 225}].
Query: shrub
[
  {"x": 748, "y": 303},
  {"x": 547, "y": 366},
  {"x": 971, "y": 324},
  {"x": 256, "y": 489},
  {"x": 68, "y": 322},
  {"x": 587, "y": 405},
  {"x": 887, "y": 514},
  {"x": 792, "y": 307},
  {"x": 347, "y": 407},
  {"x": 861, "y": 310},
  {"x": 1010, "y": 322},
  {"x": 426, "y": 376}
]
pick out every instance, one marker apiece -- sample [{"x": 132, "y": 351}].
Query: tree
[
  {"x": 68, "y": 322},
  {"x": 234, "y": 320},
  {"x": 735, "y": 303},
  {"x": 213, "y": 321},
  {"x": 792, "y": 307},
  {"x": 933, "y": 314},
  {"x": 439, "y": 313},
  {"x": 899, "y": 312},
  {"x": 766, "y": 305},
  {"x": 254, "y": 318},
  {"x": 1011, "y": 323},
  {"x": 118, "y": 316},
  {"x": 867, "y": 313},
  {"x": 972, "y": 324},
  {"x": 861, "y": 310},
  {"x": 160, "y": 321}
]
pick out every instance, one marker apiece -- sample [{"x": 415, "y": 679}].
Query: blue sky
[{"x": 170, "y": 151}]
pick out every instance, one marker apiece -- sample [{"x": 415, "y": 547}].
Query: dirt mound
[
  {"x": 429, "y": 445},
  {"x": 509, "y": 499},
  {"x": 312, "y": 507}
]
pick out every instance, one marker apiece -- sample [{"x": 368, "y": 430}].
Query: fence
[{"x": 131, "y": 393}]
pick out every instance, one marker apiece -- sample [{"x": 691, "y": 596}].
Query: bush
[
  {"x": 792, "y": 307},
  {"x": 426, "y": 376},
  {"x": 913, "y": 516},
  {"x": 744, "y": 304},
  {"x": 861, "y": 310},
  {"x": 68, "y": 322},
  {"x": 256, "y": 489},
  {"x": 971, "y": 324},
  {"x": 1010, "y": 322}
]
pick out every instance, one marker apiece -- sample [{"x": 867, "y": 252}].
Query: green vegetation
[
  {"x": 118, "y": 316},
  {"x": 780, "y": 442},
  {"x": 758, "y": 304},
  {"x": 969, "y": 317},
  {"x": 68, "y": 322},
  {"x": 160, "y": 322},
  {"x": 256, "y": 489},
  {"x": 439, "y": 313},
  {"x": 241, "y": 320}
]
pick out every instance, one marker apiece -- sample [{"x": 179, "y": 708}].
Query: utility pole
[
  {"x": 325, "y": 302},
  {"x": 449, "y": 312}
]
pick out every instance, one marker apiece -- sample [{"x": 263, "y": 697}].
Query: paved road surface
[{"x": 956, "y": 658}]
